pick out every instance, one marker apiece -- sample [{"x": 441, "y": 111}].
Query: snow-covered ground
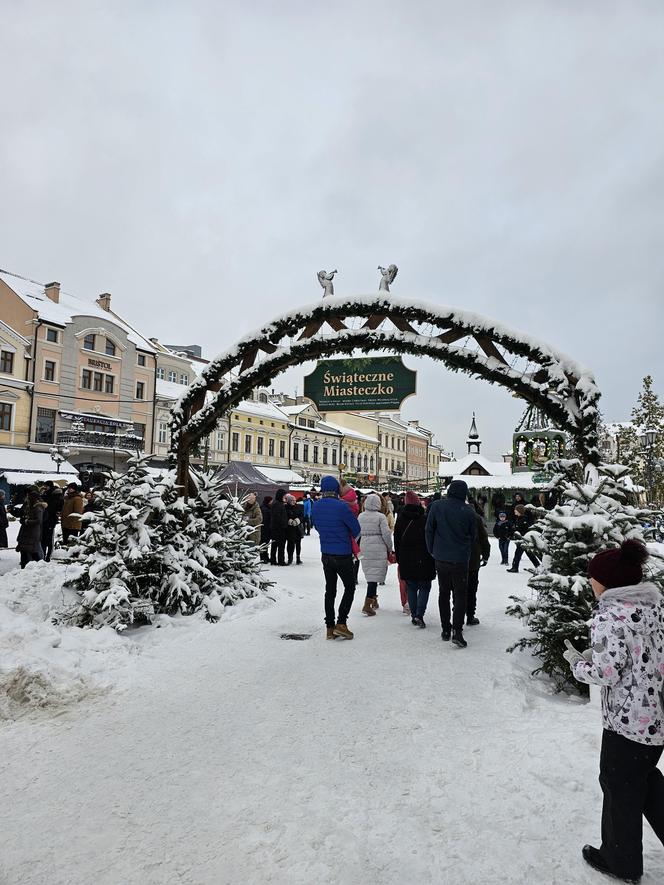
[{"x": 199, "y": 753}]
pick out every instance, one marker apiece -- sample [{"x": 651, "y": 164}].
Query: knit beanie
[
  {"x": 411, "y": 498},
  {"x": 620, "y": 567}
]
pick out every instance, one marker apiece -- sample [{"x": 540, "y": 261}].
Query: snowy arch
[{"x": 462, "y": 340}]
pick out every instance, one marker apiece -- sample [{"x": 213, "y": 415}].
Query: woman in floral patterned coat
[{"x": 626, "y": 657}]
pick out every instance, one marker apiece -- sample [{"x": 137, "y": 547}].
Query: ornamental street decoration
[
  {"x": 367, "y": 384},
  {"x": 463, "y": 341}
]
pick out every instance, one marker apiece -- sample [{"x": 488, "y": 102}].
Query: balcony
[{"x": 94, "y": 439}]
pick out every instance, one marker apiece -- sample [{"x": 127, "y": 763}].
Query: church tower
[{"x": 473, "y": 442}]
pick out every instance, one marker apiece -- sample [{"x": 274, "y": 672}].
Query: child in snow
[
  {"x": 503, "y": 531},
  {"x": 626, "y": 658}
]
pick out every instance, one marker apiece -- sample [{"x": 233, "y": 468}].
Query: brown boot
[
  {"x": 368, "y": 608},
  {"x": 374, "y": 602},
  {"x": 330, "y": 633},
  {"x": 343, "y": 631}
]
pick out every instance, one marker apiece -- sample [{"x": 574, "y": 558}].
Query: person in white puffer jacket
[{"x": 626, "y": 658}]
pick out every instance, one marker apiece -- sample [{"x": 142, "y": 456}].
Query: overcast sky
[{"x": 202, "y": 161}]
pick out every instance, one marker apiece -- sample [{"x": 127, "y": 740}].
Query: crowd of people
[{"x": 44, "y": 508}]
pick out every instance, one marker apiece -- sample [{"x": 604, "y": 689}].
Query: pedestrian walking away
[
  {"x": 450, "y": 530},
  {"x": 72, "y": 510},
  {"x": 278, "y": 524},
  {"x": 479, "y": 556},
  {"x": 626, "y": 658},
  {"x": 28, "y": 542},
  {"x": 348, "y": 494},
  {"x": 523, "y": 522},
  {"x": 266, "y": 525},
  {"x": 4, "y": 523},
  {"x": 416, "y": 565},
  {"x": 306, "y": 509},
  {"x": 503, "y": 530},
  {"x": 336, "y": 525},
  {"x": 376, "y": 548},
  {"x": 294, "y": 529},
  {"x": 53, "y": 498}
]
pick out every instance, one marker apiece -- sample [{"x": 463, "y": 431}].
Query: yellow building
[
  {"x": 259, "y": 432},
  {"x": 15, "y": 388},
  {"x": 359, "y": 444}
]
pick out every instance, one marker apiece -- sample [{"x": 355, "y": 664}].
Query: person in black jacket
[
  {"x": 53, "y": 498},
  {"x": 523, "y": 521},
  {"x": 278, "y": 524},
  {"x": 503, "y": 530},
  {"x": 294, "y": 529},
  {"x": 266, "y": 510},
  {"x": 4, "y": 523},
  {"x": 416, "y": 565},
  {"x": 479, "y": 556}
]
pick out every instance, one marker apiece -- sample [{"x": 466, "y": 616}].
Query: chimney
[
  {"x": 53, "y": 291},
  {"x": 104, "y": 301}
]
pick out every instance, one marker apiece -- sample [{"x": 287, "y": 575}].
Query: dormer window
[{"x": 89, "y": 342}]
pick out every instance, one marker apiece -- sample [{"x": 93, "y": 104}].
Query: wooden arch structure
[{"x": 563, "y": 389}]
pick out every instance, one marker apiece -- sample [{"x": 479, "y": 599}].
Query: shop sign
[{"x": 368, "y": 384}]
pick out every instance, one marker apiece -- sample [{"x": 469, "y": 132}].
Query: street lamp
[
  {"x": 59, "y": 454},
  {"x": 647, "y": 441}
]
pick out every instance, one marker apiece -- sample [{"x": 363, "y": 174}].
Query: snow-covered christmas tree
[
  {"x": 595, "y": 512},
  {"x": 148, "y": 551}
]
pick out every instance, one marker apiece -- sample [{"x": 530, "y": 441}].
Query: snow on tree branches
[
  {"x": 591, "y": 516},
  {"x": 147, "y": 551}
]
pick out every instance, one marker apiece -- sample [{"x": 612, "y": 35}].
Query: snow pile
[{"x": 42, "y": 665}]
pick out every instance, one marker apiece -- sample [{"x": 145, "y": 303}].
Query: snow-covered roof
[
  {"x": 169, "y": 389},
  {"x": 280, "y": 474},
  {"x": 264, "y": 410},
  {"x": 22, "y": 467},
  {"x": 347, "y": 431},
  {"x": 34, "y": 295},
  {"x": 295, "y": 410},
  {"x": 513, "y": 481},
  {"x": 493, "y": 468}
]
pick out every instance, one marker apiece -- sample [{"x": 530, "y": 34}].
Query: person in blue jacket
[
  {"x": 336, "y": 525},
  {"x": 450, "y": 532},
  {"x": 306, "y": 506}
]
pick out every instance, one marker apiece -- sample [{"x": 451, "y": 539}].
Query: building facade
[
  {"x": 15, "y": 388},
  {"x": 315, "y": 447}
]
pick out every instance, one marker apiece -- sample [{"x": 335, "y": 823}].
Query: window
[
  {"x": 89, "y": 342},
  {"x": 235, "y": 442},
  {"x": 45, "y": 432},
  {"x": 98, "y": 381},
  {"x": 366, "y": 463},
  {"x": 49, "y": 370},
  {"x": 140, "y": 360},
  {"x": 110, "y": 348},
  {"x": 140, "y": 390},
  {"x": 260, "y": 442},
  {"x": 163, "y": 432},
  {"x": 352, "y": 460},
  {"x": 311, "y": 423},
  {"x": 109, "y": 383},
  {"x": 324, "y": 456},
  {"x": 52, "y": 336},
  {"x": 315, "y": 454},
  {"x": 247, "y": 444},
  {"x": 302, "y": 422},
  {"x": 86, "y": 379},
  {"x": 270, "y": 448},
  {"x": 173, "y": 376},
  {"x": 305, "y": 452},
  {"x": 160, "y": 374},
  {"x": 371, "y": 464},
  {"x": 282, "y": 449},
  {"x": 139, "y": 430},
  {"x": 296, "y": 451},
  {"x": 184, "y": 379},
  {"x": 380, "y": 439},
  {"x": 5, "y": 416},
  {"x": 219, "y": 441},
  {"x": 334, "y": 457},
  {"x": 6, "y": 361}
]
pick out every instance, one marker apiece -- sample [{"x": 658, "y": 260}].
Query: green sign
[
  {"x": 359, "y": 385},
  {"x": 542, "y": 477}
]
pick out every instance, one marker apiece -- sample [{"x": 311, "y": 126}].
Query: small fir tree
[{"x": 594, "y": 514}]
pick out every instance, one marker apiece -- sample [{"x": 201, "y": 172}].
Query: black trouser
[
  {"x": 471, "y": 598},
  {"x": 29, "y": 557},
  {"x": 3, "y": 537},
  {"x": 372, "y": 589},
  {"x": 294, "y": 545},
  {"x": 356, "y": 569},
  {"x": 69, "y": 533},
  {"x": 342, "y": 567},
  {"x": 452, "y": 580},
  {"x": 633, "y": 786},
  {"x": 518, "y": 553},
  {"x": 47, "y": 542},
  {"x": 307, "y": 525},
  {"x": 504, "y": 547},
  {"x": 278, "y": 552}
]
